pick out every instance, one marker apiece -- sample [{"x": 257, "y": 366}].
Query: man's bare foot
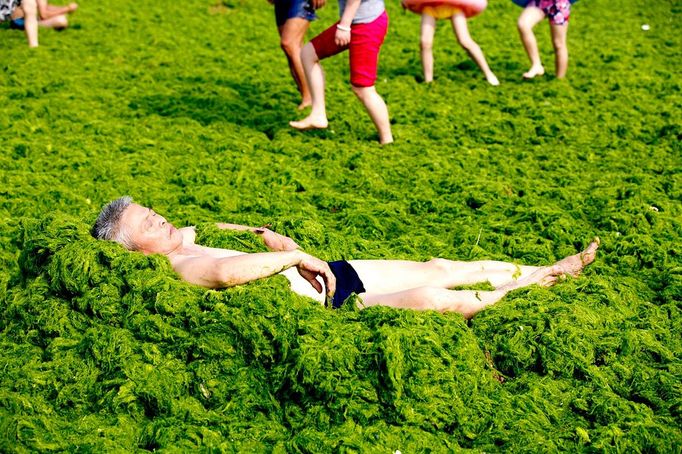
[
  {"x": 534, "y": 71},
  {"x": 548, "y": 275},
  {"x": 305, "y": 103},
  {"x": 309, "y": 122},
  {"x": 574, "y": 264},
  {"x": 492, "y": 80},
  {"x": 386, "y": 140}
]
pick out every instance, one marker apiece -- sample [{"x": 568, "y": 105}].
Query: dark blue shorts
[
  {"x": 347, "y": 282},
  {"x": 289, "y": 9}
]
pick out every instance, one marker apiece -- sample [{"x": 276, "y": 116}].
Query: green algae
[{"x": 104, "y": 350}]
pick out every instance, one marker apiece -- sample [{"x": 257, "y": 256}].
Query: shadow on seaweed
[{"x": 249, "y": 107}]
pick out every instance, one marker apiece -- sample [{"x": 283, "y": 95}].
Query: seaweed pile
[
  {"x": 107, "y": 349},
  {"x": 184, "y": 106}
]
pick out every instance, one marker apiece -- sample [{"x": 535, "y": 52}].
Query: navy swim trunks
[
  {"x": 289, "y": 9},
  {"x": 347, "y": 282}
]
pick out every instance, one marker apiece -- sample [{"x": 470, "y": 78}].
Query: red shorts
[{"x": 365, "y": 43}]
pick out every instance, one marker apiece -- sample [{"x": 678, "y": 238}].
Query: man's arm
[
  {"x": 214, "y": 272},
  {"x": 274, "y": 241}
]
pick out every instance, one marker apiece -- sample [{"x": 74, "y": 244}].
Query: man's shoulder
[{"x": 189, "y": 235}]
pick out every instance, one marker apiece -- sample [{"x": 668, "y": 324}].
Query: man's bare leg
[
  {"x": 466, "y": 302},
  {"x": 378, "y": 112},
  {"x": 459, "y": 25},
  {"x": 428, "y": 29},
  {"x": 291, "y": 39},
  {"x": 560, "y": 49},
  {"x": 529, "y": 18},
  {"x": 390, "y": 276},
  {"x": 317, "y": 119},
  {"x": 470, "y": 302}
]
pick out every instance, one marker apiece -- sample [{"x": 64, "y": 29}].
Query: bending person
[
  {"x": 396, "y": 283},
  {"x": 48, "y": 16}
]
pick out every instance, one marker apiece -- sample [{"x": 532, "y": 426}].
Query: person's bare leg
[
  {"x": 466, "y": 302},
  {"x": 291, "y": 39},
  {"x": 560, "y": 49},
  {"x": 317, "y": 119},
  {"x": 29, "y": 12},
  {"x": 389, "y": 276},
  {"x": 528, "y": 19},
  {"x": 376, "y": 107},
  {"x": 56, "y": 22},
  {"x": 428, "y": 29},
  {"x": 459, "y": 25}
]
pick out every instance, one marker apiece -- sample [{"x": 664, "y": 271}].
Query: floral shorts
[{"x": 558, "y": 11}]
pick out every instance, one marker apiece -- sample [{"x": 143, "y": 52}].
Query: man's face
[{"x": 149, "y": 231}]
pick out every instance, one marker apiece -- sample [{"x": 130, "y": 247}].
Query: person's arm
[
  {"x": 274, "y": 241},
  {"x": 214, "y": 272},
  {"x": 342, "y": 37}
]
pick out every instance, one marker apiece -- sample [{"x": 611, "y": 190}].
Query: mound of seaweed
[{"x": 107, "y": 349}]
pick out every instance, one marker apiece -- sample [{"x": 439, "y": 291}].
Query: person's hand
[
  {"x": 274, "y": 241},
  {"x": 317, "y": 4},
  {"x": 72, "y": 7},
  {"x": 342, "y": 37},
  {"x": 310, "y": 268}
]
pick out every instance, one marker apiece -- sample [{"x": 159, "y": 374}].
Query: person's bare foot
[
  {"x": 492, "y": 80},
  {"x": 534, "y": 71},
  {"x": 309, "y": 122},
  {"x": 548, "y": 275},
  {"x": 386, "y": 140},
  {"x": 574, "y": 264}
]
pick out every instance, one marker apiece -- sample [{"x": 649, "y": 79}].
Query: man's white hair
[{"x": 108, "y": 224}]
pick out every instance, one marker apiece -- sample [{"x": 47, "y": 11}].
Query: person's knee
[
  {"x": 308, "y": 54},
  {"x": 559, "y": 44},
  {"x": 290, "y": 46},
  {"x": 426, "y": 44},
  {"x": 524, "y": 25},
  {"x": 60, "y": 22},
  {"x": 438, "y": 266},
  {"x": 466, "y": 42},
  {"x": 362, "y": 93}
]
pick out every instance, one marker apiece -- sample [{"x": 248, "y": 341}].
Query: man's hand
[
  {"x": 310, "y": 267},
  {"x": 275, "y": 241},
  {"x": 317, "y": 4}
]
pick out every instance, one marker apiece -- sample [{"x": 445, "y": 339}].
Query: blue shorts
[{"x": 290, "y": 9}]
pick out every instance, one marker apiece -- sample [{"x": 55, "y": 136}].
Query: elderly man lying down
[{"x": 396, "y": 283}]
